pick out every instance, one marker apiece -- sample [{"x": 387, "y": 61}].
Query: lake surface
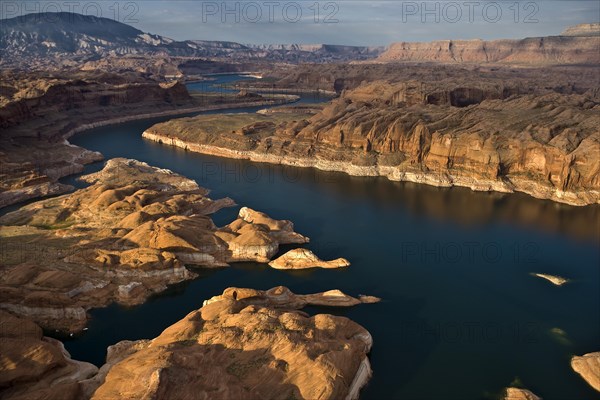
[{"x": 461, "y": 316}]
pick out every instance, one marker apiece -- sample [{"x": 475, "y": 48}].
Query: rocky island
[{"x": 304, "y": 258}]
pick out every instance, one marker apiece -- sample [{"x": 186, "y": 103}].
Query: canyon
[
  {"x": 494, "y": 116},
  {"x": 544, "y": 145},
  {"x": 39, "y": 111}
]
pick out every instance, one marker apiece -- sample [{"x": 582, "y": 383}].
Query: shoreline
[
  {"x": 392, "y": 173},
  {"x": 259, "y": 89},
  {"x": 13, "y": 197},
  {"x": 285, "y": 99}
]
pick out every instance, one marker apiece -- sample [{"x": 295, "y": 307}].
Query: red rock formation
[
  {"x": 246, "y": 344},
  {"x": 546, "y": 146}
]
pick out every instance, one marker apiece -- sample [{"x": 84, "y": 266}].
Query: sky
[{"x": 351, "y": 22}]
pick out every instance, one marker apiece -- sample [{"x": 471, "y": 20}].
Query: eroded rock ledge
[
  {"x": 243, "y": 344},
  {"x": 255, "y": 346},
  {"x": 126, "y": 236},
  {"x": 303, "y": 259},
  {"x": 545, "y": 146},
  {"x": 513, "y": 393},
  {"x": 281, "y": 296},
  {"x": 588, "y": 366}
]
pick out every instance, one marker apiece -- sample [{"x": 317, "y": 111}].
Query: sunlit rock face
[
  {"x": 478, "y": 137},
  {"x": 588, "y": 366},
  {"x": 128, "y": 235},
  {"x": 245, "y": 344}
]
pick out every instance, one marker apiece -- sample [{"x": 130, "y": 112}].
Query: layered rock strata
[
  {"x": 126, "y": 236},
  {"x": 545, "y": 146},
  {"x": 579, "y": 46}
]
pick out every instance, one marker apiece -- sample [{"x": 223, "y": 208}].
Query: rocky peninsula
[
  {"x": 126, "y": 236},
  {"x": 545, "y": 146},
  {"x": 244, "y": 344},
  {"x": 245, "y": 347}
]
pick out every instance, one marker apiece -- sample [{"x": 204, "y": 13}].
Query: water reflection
[{"x": 456, "y": 204}]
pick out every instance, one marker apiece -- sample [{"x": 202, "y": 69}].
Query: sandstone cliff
[{"x": 545, "y": 146}]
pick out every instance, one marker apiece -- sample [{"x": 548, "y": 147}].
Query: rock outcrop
[
  {"x": 582, "y": 30},
  {"x": 588, "y": 366},
  {"x": 33, "y": 366},
  {"x": 519, "y": 394},
  {"x": 304, "y": 258},
  {"x": 126, "y": 236},
  {"x": 555, "y": 280},
  {"x": 254, "y": 346},
  {"x": 545, "y": 146}
]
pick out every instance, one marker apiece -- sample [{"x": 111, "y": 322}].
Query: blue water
[
  {"x": 461, "y": 317},
  {"x": 224, "y": 84}
]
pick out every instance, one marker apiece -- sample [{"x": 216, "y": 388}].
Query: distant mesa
[
  {"x": 576, "y": 45},
  {"x": 513, "y": 393},
  {"x": 582, "y": 30}
]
